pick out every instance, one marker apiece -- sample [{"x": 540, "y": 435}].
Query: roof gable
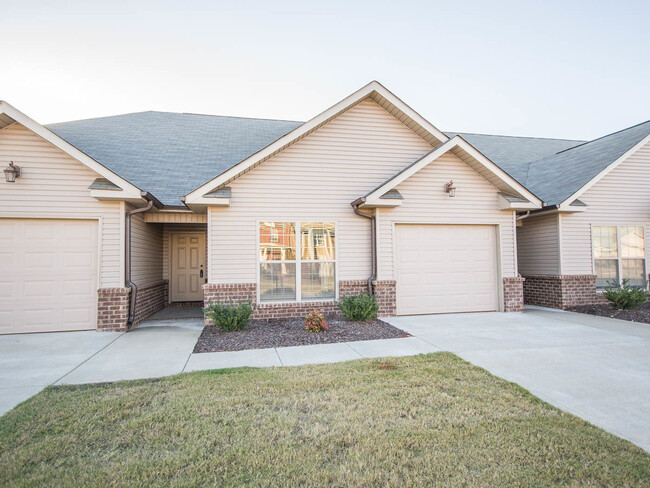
[
  {"x": 562, "y": 177},
  {"x": 467, "y": 153},
  {"x": 170, "y": 154},
  {"x": 10, "y": 115},
  {"x": 374, "y": 90}
]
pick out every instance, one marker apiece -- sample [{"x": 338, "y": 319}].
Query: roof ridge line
[
  {"x": 173, "y": 113},
  {"x": 606, "y": 135},
  {"x": 518, "y": 137}
]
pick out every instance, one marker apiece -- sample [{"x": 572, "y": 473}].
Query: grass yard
[{"x": 419, "y": 421}]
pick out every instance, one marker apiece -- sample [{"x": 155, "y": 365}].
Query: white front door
[
  {"x": 48, "y": 275},
  {"x": 188, "y": 272},
  {"x": 446, "y": 268}
]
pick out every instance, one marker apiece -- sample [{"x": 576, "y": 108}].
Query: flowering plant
[{"x": 315, "y": 322}]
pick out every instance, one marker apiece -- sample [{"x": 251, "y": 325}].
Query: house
[{"x": 108, "y": 220}]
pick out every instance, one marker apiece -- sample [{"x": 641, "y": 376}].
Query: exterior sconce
[
  {"x": 12, "y": 172},
  {"x": 450, "y": 188}
]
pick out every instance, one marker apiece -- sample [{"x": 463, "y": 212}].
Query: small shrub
[
  {"x": 229, "y": 316},
  {"x": 315, "y": 322},
  {"x": 359, "y": 308},
  {"x": 624, "y": 297}
]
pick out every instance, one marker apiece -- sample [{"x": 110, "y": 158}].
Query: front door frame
[{"x": 202, "y": 257}]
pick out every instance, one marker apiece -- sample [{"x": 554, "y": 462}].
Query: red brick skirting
[
  {"x": 385, "y": 291},
  {"x": 149, "y": 300},
  {"x": 513, "y": 294},
  {"x": 112, "y": 309},
  {"x": 560, "y": 291}
]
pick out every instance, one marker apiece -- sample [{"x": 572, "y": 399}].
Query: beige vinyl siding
[
  {"x": 538, "y": 245},
  {"x": 146, "y": 251},
  {"x": 55, "y": 185},
  {"x": 167, "y": 230},
  {"x": 425, "y": 201},
  {"x": 315, "y": 179},
  {"x": 622, "y": 197}
]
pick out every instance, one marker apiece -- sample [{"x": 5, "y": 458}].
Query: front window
[
  {"x": 297, "y": 261},
  {"x": 619, "y": 254}
]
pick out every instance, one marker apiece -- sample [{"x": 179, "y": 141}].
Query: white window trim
[
  {"x": 298, "y": 261},
  {"x": 619, "y": 258}
]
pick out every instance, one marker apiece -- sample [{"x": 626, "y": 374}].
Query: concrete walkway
[{"x": 593, "y": 367}]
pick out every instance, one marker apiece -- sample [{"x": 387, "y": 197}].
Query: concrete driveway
[{"x": 595, "y": 368}]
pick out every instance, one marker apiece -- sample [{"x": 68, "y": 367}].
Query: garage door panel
[
  {"x": 50, "y": 275},
  {"x": 446, "y": 268}
]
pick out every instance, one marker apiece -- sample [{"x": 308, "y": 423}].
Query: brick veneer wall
[
  {"x": 112, "y": 309},
  {"x": 149, "y": 300},
  {"x": 513, "y": 294},
  {"x": 560, "y": 291},
  {"x": 385, "y": 291}
]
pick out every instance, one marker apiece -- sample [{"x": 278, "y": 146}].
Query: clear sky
[{"x": 572, "y": 69}]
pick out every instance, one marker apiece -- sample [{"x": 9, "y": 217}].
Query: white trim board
[
  {"x": 510, "y": 183},
  {"x": 566, "y": 203},
  {"x": 130, "y": 190},
  {"x": 373, "y": 90}
]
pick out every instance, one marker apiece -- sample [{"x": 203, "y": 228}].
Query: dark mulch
[
  {"x": 261, "y": 334},
  {"x": 641, "y": 314}
]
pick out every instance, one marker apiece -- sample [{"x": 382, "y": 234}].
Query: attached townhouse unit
[{"x": 105, "y": 221}]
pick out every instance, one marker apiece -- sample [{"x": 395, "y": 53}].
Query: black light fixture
[
  {"x": 450, "y": 188},
  {"x": 12, "y": 172}
]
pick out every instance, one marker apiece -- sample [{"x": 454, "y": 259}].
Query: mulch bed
[
  {"x": 641, "y": 314},
  {"x": 260, "y": 334}
]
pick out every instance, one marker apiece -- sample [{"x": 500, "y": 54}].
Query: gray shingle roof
[
  {"x": 555, "y": 178},
  {"x": 513, "y": 154},
  {"x": 170, "y": 154}
]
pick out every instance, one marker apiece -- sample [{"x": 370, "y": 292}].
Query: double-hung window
[
  {"x": 297, "y": 261},
  {"x": 619, "y": 254}
]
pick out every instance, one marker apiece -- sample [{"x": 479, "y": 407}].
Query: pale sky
[{"x": 548, "y": 69}]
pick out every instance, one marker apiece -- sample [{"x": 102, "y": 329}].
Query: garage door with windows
[
  {"x": 446, "y": 268},
  {"x": 48, "y": 275}
]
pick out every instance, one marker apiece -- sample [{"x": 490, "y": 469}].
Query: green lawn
[{"x": 417, "y": 421}]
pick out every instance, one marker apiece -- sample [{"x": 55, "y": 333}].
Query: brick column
[
  {"x": 513, "y": 294},
  {"x": 386, "y": 293},
  {"x": 113, "y": 309}
]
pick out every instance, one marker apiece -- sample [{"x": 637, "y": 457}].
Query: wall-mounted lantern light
[
  {"x": 450, "y": 188},
  {"x": 12, "y": 172}
]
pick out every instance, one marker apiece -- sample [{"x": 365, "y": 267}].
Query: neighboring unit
[{"x": 109, "y": 220}]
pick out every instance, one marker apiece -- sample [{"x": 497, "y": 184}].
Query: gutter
[
  {"x": 151, "y": 201},
  {"x": 373, "y": 241}
]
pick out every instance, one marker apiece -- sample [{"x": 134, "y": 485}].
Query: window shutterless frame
[
  {"x": 298, "y": 261},
  {"x": 619, "y": 258}
]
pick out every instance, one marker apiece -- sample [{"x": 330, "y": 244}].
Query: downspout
[
  {"x": 127, "y": 251},
  {"x": 373, "y": 242}
]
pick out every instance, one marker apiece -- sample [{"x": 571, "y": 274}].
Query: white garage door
[
  {"x": 446, "y": 268},
  {"x": 48, "y": 275}
]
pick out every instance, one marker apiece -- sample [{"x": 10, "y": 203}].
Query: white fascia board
[
  {"x": 307, "y": 127},
  {"x": 456, "y": 141},
  {"x": 505, "y": 204},
  {"x": 411, "y": 170},
  {"x": 382, "y": 203},
  {"x": 565, "y": 205},
  {"x": 130, "y": 191},
  {"x": 212, "y": 201}
]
